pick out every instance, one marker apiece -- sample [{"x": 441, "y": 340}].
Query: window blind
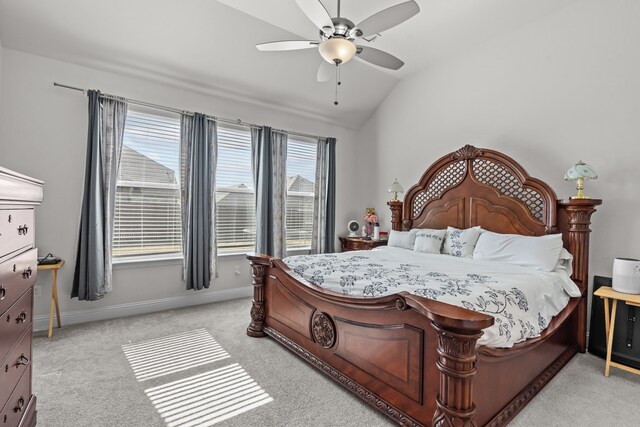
[
  {"x": 147, "y": 205},
  {"x": 235, "y": 195},
  {"x": 301, "y": 176}
]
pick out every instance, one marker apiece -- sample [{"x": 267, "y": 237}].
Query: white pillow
[
  {"x": 402, "y": 239},
  {"x": 541, "y": 253},
  {"x": 460, "y": 243},
  {"x": 429, "y": 241}
]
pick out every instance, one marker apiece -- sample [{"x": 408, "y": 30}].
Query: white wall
[
  {"x": 43, "y": 134},
  {"x": 554, "y": 92},
  {"x": 1, "y": 50}
]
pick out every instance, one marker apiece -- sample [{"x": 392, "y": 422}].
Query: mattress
[{"x": 522, "y": 300}]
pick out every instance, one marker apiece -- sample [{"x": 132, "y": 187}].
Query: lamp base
[{"x": 580, "y": 188}]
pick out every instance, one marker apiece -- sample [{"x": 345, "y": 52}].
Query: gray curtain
[
  {"x": 269, "y": 163},
  {"x": 199, "y": 153},
  {"x": 92, "y": 276},
  {"x": 324, "y": 201}
]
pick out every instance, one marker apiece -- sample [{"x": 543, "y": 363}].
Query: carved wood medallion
[{"x": 324, "y": 332}]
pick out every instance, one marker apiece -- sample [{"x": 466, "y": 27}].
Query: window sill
[
  {"x": 299, "y": 251},
  {"x": 174, "y": 259},
  {"x": 147, "y": 261}
]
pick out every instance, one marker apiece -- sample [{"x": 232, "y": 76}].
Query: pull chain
[{"x": 338, "y": 83}]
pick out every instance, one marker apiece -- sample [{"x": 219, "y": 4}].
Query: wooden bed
[{"x": 416, "y": 359}]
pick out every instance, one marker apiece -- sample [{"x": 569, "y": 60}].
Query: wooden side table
[
  {"x": 54, "y": 292},
  {"x": 359, "y": 243},
  {"x": 606, "y": 293}
]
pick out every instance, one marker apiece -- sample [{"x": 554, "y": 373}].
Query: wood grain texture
[
  {"x": 359, "y": 244},
  {"x": 258, "y": 270},
  {"x": 19, "y": 195},
  {"x": 574, "y": 223},
  {"x": 416, "y": 359}
]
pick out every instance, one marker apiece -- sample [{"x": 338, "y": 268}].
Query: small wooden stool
[
  {"x": 54, "y": 292},
  {"x": 606, "y": 293}
]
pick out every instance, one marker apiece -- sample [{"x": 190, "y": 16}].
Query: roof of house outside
[
  {"x": 300, "y": 184},
  {"x": 137, "y": 167}
]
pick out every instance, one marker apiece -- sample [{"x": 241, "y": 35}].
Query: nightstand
[
  {"x": 607, "y": 293},
  {"x": 359, "y": 243}
]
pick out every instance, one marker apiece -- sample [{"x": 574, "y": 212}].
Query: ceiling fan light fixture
[{"x": 337, "y": 50}]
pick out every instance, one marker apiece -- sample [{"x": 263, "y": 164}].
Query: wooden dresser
[{"x": 18, "y": 269}]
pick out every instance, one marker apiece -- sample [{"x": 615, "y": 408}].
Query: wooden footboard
[{"x": 410, "y": 357}]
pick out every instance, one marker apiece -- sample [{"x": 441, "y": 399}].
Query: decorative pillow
[
  {"x": 429, "y": 241},
  {"x": 402, "y": 239},
  {"x": 460, "y": 243},
  {"x": 541, "y": 253}
]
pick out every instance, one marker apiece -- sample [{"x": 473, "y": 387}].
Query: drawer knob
[
  {"x": 22, "y": 317},
  {"x": 20, "y": 405},
  {"x": 27, "y": 273},
  {"x": 22, "y": 360},
  {"x": 3, "y": 292},
  {"x": 23, "y": 230}
]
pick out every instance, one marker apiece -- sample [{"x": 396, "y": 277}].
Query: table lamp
[
  {"x": 395, "y": 188},
  {"x": 579, "y": 172}
]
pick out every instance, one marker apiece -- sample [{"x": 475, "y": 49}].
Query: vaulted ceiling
[{"x": 212, "y": 43}]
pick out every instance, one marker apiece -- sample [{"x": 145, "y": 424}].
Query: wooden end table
[
  {"x": 54, "y": 292},
  {"x": 606, "y": 293},
  {"x": 348, "y": 243}
]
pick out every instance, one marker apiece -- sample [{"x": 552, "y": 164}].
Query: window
[
  {"x": 235, "y": 195},
  {"x": 147, "y": 205},
  {"x": 301, "y": 177}
]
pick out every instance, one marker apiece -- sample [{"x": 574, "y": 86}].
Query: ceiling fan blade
[
  {"x": 287, "y": 45},
  {"x": 387, "y": 18},
  {"x": 316, "y": 12},
  {"x": 325, "y": 71},
  {"x": 379, "y": 58}
]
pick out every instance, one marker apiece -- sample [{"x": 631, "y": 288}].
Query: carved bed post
[
  {"x": 396, "y": 214},
  {"x": 457, "y": 366},
  {"x": 573, "y": 221},
  {"x": 259, "y": 264}
]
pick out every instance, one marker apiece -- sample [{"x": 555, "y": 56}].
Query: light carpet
[{"x": 82, "y": 378}]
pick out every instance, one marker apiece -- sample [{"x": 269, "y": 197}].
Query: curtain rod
[{"x": 189, "y": 113}]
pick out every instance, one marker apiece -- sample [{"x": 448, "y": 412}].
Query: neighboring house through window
[
  {"x": 235, "y": 195},
  {"x": 148, "y": 221},
  {"x": 301, "y": 176},
  {"x": 147, "y": 207}
]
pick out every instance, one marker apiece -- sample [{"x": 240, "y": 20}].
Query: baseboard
[{"x": 41, "y": 322}]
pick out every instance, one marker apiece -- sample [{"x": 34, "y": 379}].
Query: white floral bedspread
[{"x": 522, "y": 300}]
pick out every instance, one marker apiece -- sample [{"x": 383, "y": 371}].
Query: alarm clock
[{"x": 353, "y": 227}]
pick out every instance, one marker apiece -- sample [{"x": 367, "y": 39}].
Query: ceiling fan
[{"x": 338, "y": 36}]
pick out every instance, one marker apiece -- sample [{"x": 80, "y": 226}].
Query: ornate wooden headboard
[
  {"x": 477, "y": 186},
  {"x": 474, "y": 186}
]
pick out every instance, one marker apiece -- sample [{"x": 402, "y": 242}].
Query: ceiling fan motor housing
[{"x": 342, "y": 28}]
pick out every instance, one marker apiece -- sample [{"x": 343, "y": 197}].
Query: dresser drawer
[
  {"x": 14, "y": 322},
  {"x": 17, "y": 404},
  {"x": 18, "y": 361},
  {"x": 16, "y": 276},
  {"x": 16, "y": 230}
]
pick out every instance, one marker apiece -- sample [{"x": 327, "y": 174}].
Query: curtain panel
[
  {"x": 324, "y": 201},
  {"x": 199, "y": 154},
  {"x": 269, "y": 163},
  {"x": 92, "y": 277}
]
